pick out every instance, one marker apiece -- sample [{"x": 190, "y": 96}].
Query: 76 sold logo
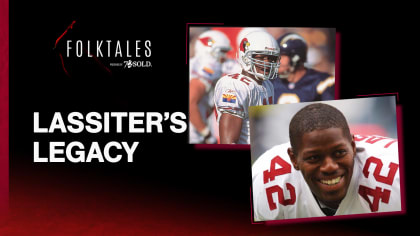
[{"x": 133, "y": 64}]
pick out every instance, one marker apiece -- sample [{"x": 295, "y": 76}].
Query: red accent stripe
[
  {"x": 64, "y": 68},
  {"x": 65, "y": 32},
  {"x": 252, "y": 211},
  {"x": 380, "y": 94},
  {"x": 337, "y": 65},
  {"x": 100, "y": 63},
  {"x": 4, "y": 109},
  {"x": 401, "y": 156}
]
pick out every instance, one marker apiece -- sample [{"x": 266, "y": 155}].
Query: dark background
[{"x": 171, "y": 187}]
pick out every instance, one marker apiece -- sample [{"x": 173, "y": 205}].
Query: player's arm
[
  {"x": 229, "y": 128},
  {"x": 197, "y": 91}
]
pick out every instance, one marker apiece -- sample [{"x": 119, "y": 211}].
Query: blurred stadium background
[{"x": 321, "y": 43}]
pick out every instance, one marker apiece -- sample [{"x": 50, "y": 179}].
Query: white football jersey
[
  {"x": 284, "y": 194},
  {"x": 208, "y": 71},
  {"x": 235, "y": 93}
]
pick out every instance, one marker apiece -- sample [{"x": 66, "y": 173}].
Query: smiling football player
[{"x": 326, "y": 171}]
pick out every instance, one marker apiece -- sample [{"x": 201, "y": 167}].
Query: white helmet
[
  {"x": 212, "y": 43},
  {"x": 245, "y": 31},
  {"x": 259, "y": 43}
]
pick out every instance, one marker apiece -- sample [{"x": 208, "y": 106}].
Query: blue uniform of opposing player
[
  {"x": 313, "y": 86},
  {"x": 295, "y": 82}
]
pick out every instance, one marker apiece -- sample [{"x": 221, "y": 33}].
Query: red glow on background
[
  {"x": 70, "y": 208},
  {"x": 4, "y": 107},
  {"x": 337, "y": 65}
]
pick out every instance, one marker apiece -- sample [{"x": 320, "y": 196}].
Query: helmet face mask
[
  {"x": 259, "y": 55},
  {"x": 266, "y": 68}
]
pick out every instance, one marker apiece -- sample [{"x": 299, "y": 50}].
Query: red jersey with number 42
[{"x": 280, "y": 191}]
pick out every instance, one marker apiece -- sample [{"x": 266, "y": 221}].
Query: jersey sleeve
[
  {"x": 380, "y": 187},
  {"x": 232, "y": 97},
  {"x": 326, "y": 88},
  {"x": 271, "y": 187}
]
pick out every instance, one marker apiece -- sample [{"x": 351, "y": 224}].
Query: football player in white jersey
[
  {"x": 259, "y": 58},
  {"x": 205, "y": 69},
  {"x": 326, "y": 171}
]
